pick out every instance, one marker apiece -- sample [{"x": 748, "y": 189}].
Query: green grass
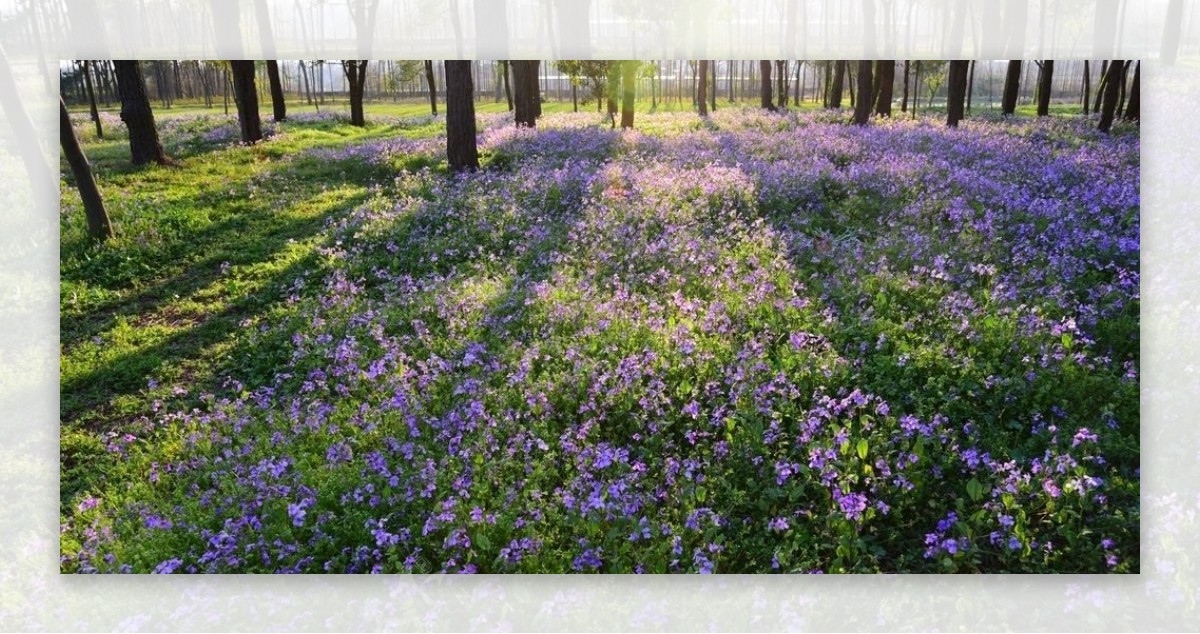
[{"x": 200, "y": 249}]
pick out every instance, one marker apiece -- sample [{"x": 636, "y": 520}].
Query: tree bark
[
  {"x": 461, "y": 150},
  {"x": 702, "y": 98},
  {"x": 526, "y": 89},
  {"x": 1121, "y": 99},
  {"x": 862, "y": 109},
  {"x": 87, "y": 76},
  {"x": 1112, "y": 91},
  {"x": 278, "y": 105},
  {"x": 764, "y": 85},
  {"x": 1133, "y": 109},
  {"x": 99, "y": 226},
  {"x": 628, "y": 91},
  {"x": 431, "y": 81},
  {"x": 356, "y": 76},
  {"x": 1087, "y": 86},
  {"x": 836, "y": 87},
  {"x": 1044, "y": 85},
  {"x": 970, "y": 85},
  {"x": 1172, "y": 28},
  {"x": 611, "y": 87},
  {"x": 1100, "y": 87},
  {"x": 144, "y": 145},
  {"x": 247, "y": 100},
  {"x": 886, "y": 70},
  {"x": 508, "y": 95},
  {"x": 712, "y": 94},
  {"x": 1012, "y": 84},
  {"x": 904, "y": 98},
  {"x": 956, "y": 91}
]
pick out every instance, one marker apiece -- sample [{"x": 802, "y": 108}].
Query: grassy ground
[{"x": 207, "y": 251}]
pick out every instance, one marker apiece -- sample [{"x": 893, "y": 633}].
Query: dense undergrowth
[{"x": 761, "y": 342}]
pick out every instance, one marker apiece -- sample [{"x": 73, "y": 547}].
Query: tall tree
[
  {"x": 525, "y": 78},
  {"x": 712, "y": 94},
  {"x": 144, "y": 145},
  {"x": 904, "y": 98},
  {"x": 836, "y": 86},
  {"x": 611, "y": 84},
  {"x": 1045, "y": 80},
  {"x": 246, "y": 96},
  {"x": 87, "y": 76},
  {"x": 461, "y": 150},
  {"x": 1133, "y": 109},
  {"x": 507, "y": 85},
  {"x": 1112, "y": 92},
  {"x": 702, "y": 89},
  {"x": 99, "y": 226},
  {"x": 764, "y": 90},
  {"x": 629, "y": 70},
  {"x": 956, "y": 91},
  {"x": 356, "y": 76},
  {"x": 862, "y": 109},
  {"x": 1100, "y": 87},
  {"x": 278, "y": 105},
  {"x": 1087, "y": 86},
  {"x": 1012, "y": 85},
  {"x": 431, "y": 82},
  {"x": 1171, "y": 31},
  {"x": 886, "y": 71}
]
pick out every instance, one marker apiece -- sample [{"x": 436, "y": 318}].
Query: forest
[{"x": 618, "y": 316}]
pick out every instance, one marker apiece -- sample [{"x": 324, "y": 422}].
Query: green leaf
[
  {"x": 701, "y": 493},
  {"x": 862, "y": 448},
  {"x": 483, "y": 542},
  {"x": 974, "y": 489}
]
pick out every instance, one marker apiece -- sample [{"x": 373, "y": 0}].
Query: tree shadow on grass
[{"x": 198, "y": 291}]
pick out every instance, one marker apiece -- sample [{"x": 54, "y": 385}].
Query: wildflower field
[{"x": 757, "y": 342}]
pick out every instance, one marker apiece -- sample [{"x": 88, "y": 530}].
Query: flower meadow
[{"x": 754, "y": 343}]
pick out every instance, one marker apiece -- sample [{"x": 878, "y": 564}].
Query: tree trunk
[
  {"x": 1172, "y": 29},
  {"x": 431, "y": 83},
  {"x": 612, "y": 84},
  {"x": 87, "y": 76},
  {"x": 356, "y": 76},
  {"x": 526, "y": 89},
  {"x": 1087, "y": 86},
  {"x": 970, "y": 86},
  {"x": 1047, "y": 76},
  {"x": 862, "y": 109},
  {"x": 886, "y": 69},
  {"x": 99, "y": 226},
  {"x": 798, "y": 84},
  {"x": 144, "y": 145},
  {"x": 508, "y": 95},
  {"x": 904, "y": 98},
  {"x": 1012, "y": 84},
  {"x": 1121, "y": 100},
  {"x": 916, "y": 97},
  {"x": 1101, "y": 87},
  {"x": 764, "y": 85},
  {"x": 461, "y": 151},
  {"x": 1133, "y": 110},
  {"x": 628, "y": 91},
  {"x": 781, "y": 82},
  {"x": 712, "y": 94},
  {"x": 278, "y": 105},
  {"x": 836, "y": 88},
  {"x": 956, "y": 91},
  {"x": 702, "y": 98},
  {"x": 1112, "y": 92},
  {"x": 247, "y": 100}
]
